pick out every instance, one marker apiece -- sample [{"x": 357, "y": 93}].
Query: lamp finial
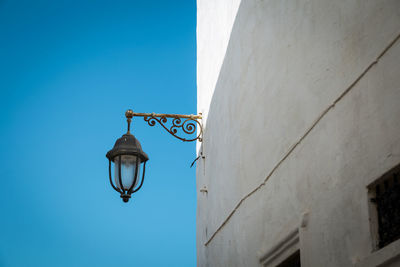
[{"x": 129, "y": 116}]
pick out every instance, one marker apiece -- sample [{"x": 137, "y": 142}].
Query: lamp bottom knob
[{"x": 125, "y": 197}]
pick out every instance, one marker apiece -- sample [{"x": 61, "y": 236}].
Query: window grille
[{"x": 387, "y": 203}]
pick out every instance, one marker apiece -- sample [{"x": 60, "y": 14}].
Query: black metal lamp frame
[{"x": 126, "y": 193}]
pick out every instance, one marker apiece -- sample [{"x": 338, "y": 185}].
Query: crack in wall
[{"x": 293, "y": 147}]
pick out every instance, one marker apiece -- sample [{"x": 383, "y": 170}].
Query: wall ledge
[{"x": 382, "y": 257}]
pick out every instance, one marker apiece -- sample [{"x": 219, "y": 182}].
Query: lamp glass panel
[{"x": 128, "y": 167}]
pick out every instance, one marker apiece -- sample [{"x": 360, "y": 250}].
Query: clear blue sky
[{"x": 68, "y": 72}]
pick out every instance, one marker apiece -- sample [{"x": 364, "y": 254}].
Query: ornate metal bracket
[{"x": 187, "y": 123}]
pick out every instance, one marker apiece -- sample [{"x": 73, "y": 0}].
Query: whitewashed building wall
[{"x": 301, "y": 105}]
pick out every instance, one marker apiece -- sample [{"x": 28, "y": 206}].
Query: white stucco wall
[
  {"x": 302, "y": 105},
  {"x": 214, "y": 24}
]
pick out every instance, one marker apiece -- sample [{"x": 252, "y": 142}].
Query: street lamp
[{"x": 128, "y": 156}]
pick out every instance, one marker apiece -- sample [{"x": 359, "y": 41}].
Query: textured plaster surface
[{"x": 281, "y": 85}]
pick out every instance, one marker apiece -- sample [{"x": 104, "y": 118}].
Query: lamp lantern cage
[{"x": 129, "y": 162}]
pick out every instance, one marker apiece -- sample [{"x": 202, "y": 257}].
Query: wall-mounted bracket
[{"x": 187, "y": 123}]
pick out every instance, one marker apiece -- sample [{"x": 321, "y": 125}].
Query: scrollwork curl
[
  {"x": 151, "y": 121},
  {"x": 188, "y": 126}
]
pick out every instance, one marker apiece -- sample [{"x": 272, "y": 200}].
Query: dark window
[
  {"x": 387, "y": 202},
  {"x": 292, "y": 261}
]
